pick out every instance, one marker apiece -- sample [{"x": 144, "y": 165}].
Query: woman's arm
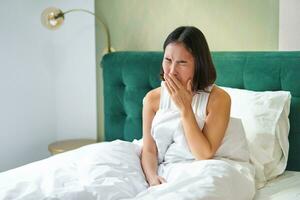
[
  {"x": 202, "y": 143},
  {"x": 149, "y": 151}
]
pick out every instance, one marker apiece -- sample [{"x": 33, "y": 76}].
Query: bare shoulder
[
  {"x": 152, "y": 99},
  {"x": 219, "y": 98}
]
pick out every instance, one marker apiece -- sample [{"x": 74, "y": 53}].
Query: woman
[{"x": 184, "y": 120}]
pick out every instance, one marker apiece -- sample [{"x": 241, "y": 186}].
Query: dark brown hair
[{"x": 194, "y": 41}]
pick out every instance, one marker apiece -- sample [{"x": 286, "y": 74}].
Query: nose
[{"x": 173, "y": 69}]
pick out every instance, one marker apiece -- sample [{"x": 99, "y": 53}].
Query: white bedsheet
[
  {"x": 112, "y": 170},
  {"x": 284, "y": 187}
]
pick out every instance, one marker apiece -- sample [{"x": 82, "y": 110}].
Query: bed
[
  {"x": 257, "y": 71},
  {"x": 111, "y": 169}
]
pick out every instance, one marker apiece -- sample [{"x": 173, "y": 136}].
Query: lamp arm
[{"x": 99, "y": 20}]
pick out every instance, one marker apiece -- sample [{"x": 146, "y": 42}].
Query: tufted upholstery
[{"x": 128, "y": 76}]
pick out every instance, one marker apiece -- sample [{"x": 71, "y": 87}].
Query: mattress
[{"x": 284, "y": 187}]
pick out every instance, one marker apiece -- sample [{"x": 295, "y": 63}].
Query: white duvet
[
  {"x": 112, "y": 170},
  {"x": 109, "y": 170}
]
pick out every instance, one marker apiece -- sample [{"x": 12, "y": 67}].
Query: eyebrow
[{"x": 179, "y": 61}]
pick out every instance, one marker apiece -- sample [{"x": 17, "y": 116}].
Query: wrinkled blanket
[{"x": 112, "y": 170}]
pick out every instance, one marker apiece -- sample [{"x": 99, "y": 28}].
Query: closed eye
[
  {"x": 182, "y": 63},
  {"x": 168, "y": 59}
]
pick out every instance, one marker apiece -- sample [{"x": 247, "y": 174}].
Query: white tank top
[
  {"x": 168, "y": 132},
  {"x": 167, "y": 129}
]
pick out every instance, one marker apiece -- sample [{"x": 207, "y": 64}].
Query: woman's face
[{"x": 179, "y": 62}]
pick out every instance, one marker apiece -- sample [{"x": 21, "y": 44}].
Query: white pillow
[
  {"x": 265, "y": 120},
  {"x": 234, "y": 145}
]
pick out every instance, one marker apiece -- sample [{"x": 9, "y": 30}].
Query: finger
[
  {"x": 162, "y": 180},
  {"x": 189, "y": 86},
  {"x": 169, "y": 87},
  {"x": 172, "y": 82},
  {"x": 176, "y": 81}
]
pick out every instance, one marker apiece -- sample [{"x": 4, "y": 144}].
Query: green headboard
[{"x": 128, "y": 76}]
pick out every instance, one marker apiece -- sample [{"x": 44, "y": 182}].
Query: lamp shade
[{"x": 52, "y": 18}]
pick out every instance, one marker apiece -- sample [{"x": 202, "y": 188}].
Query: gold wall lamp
[{"x": 52, "y": 18}]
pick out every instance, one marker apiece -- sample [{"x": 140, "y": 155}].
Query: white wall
[
  {"x": 47, "y": 79},
  {"x": 289, "y": 25},
  {"x": 76, "y": 72}
]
